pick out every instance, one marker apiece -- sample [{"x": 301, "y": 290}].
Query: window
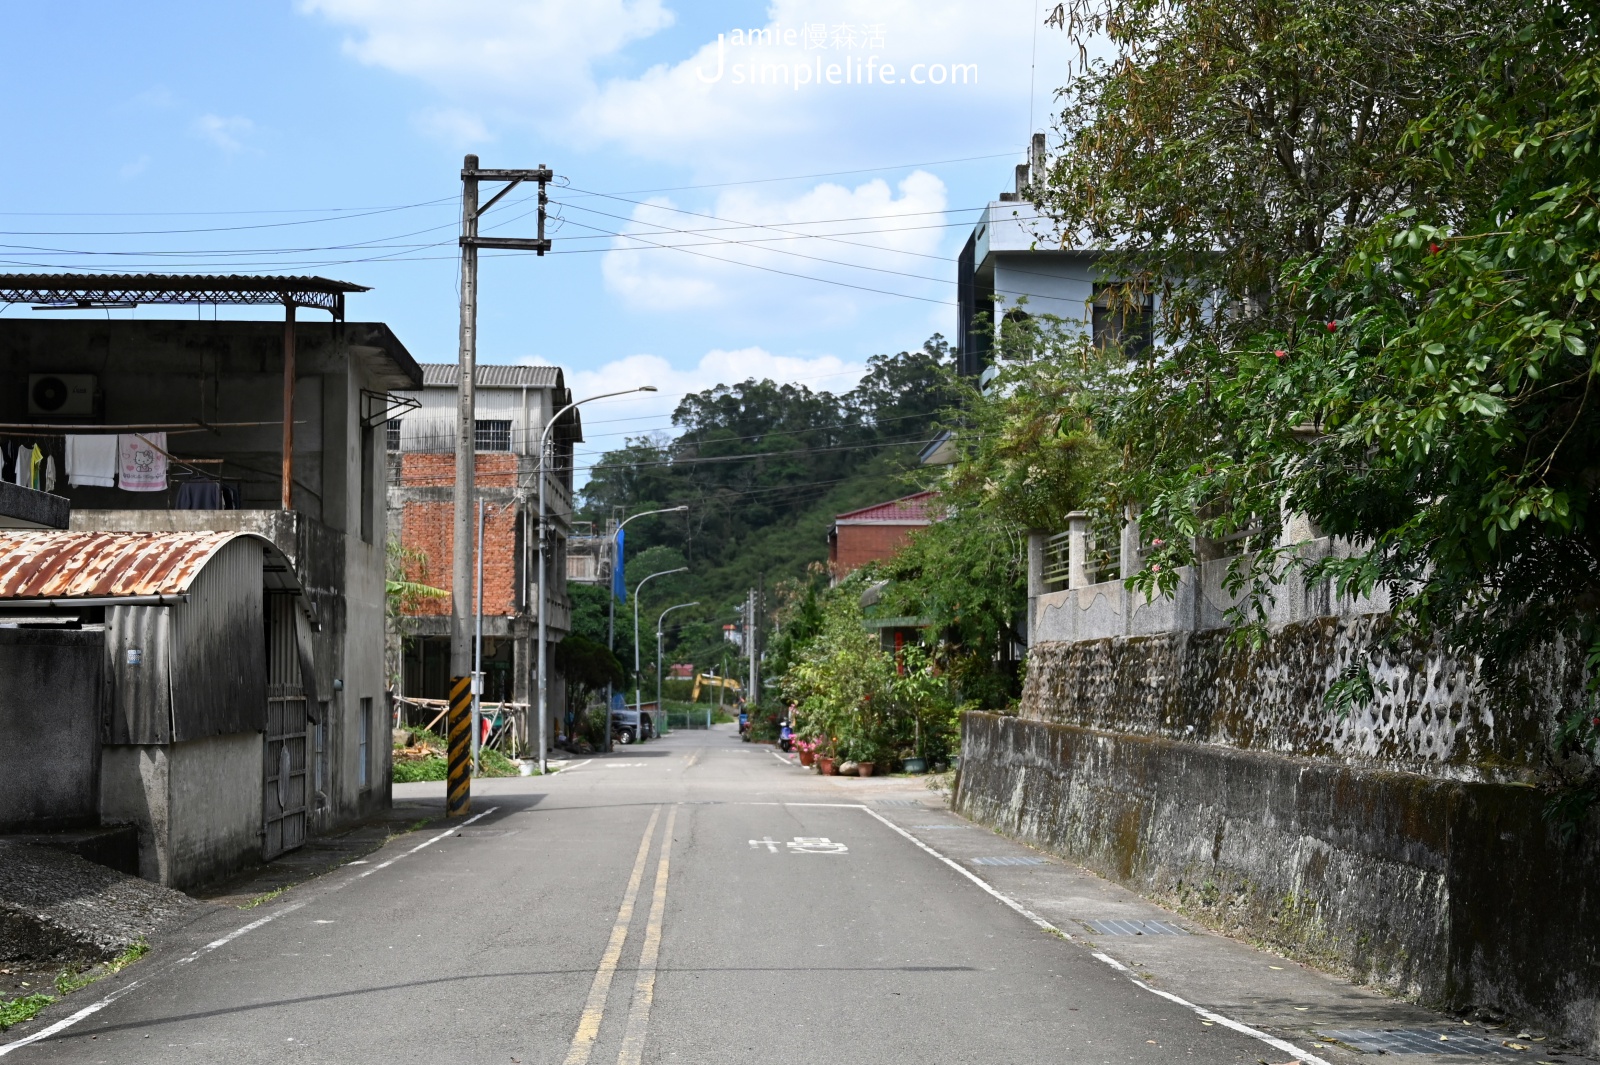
[
  {"x": 392, "y": 435},
  {"x": 1122, "y": 318},
  {"x": 491, "y": 435},
  {"x": 364, "y": 744}
]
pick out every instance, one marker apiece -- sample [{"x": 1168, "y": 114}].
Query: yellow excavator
[{"x": 711, "y": 680}]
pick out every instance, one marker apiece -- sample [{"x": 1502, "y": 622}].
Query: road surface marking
[
  {"x": 425, "y": 843},
  {"x": 644, "y": 989},
  {"x": 767, "y": 842},
  {"x": 595, "y": 1006},
  {"x": 95, "y": 1007},
  {"x": 781, "y": 758},
  {"x": 1205, "y": 1014},
  {"x": 816, "y": 845}
]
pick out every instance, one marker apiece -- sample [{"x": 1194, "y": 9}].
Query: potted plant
[
  {"x": 826, "y": 764},
  {"x": 808, "y": 751}
]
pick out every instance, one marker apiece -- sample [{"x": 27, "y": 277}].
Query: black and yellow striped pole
[{"x": 458, "y": 726}]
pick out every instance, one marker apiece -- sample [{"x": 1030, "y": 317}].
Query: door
[{"x": 285, "y": 773}]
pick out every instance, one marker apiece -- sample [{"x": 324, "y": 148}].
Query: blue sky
[{"x": 325, "y": 136}]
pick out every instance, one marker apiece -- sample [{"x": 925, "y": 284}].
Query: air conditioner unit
[{"x": 61, "y": 395}]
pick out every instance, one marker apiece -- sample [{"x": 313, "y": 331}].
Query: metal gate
[{"x": 285, "y": 773}]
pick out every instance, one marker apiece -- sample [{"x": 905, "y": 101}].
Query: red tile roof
[{"x": 920, "y": 509}]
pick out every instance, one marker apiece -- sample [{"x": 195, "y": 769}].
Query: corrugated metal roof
[
  {"x": 70, "y": 565},
  {"x": 919, "y": 509},
  {"x": 494, "y": 375}
]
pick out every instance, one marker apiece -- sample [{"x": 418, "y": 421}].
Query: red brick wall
[
  {"x": 860, "y": 544},
  {"x": 428, "y": 528},
  {"x": 437, "y": 469}
]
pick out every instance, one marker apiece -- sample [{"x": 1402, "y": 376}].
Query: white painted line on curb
[
  {"x": 425, "y": 843},
  {"x": 1216, "y": 1018},
  {"x": 93, "y": 1008}
]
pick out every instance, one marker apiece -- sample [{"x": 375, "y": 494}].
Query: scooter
[{"x": 786, "y": 739}]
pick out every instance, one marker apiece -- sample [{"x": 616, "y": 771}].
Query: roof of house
[
  {"x": 493, "y": 375},
  {"x": 920, "y": 509},
  {"x": 76, "y": 565}
]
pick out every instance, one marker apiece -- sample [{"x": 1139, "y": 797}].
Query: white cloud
[
  {"x": 609, "y": 422},
  {"x": 545, "y": 61},
  {"x": 453, "y": 125},
  {"x": 464, "y": 46},
  {"x": 227, "y": 133},
  {"x": 975, "y": 64},
  {"x": 743, "y": 260}
]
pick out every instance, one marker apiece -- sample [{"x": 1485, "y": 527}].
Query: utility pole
[
  {"x": 463, "y": 685},
  {"x": 750, "y": 642}
]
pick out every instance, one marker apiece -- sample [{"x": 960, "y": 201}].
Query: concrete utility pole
[
  {"x": 544, "y": 549},
  {"x": 750, "y": 641},
  {"x": 463, "y": 686}
]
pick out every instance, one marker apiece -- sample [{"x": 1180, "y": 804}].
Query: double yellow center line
[{"x": 588, "y": 1032}]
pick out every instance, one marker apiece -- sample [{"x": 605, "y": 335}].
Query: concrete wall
[
  {"x": 196, "y": 805},
  {"x": 50, "y": 727},
  {"x": 1459, "y": 894}
]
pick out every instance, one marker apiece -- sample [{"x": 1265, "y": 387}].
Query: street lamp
[
  {"x": 638, "y": 696},
  {"x": 544, "y": 535},
  {"x": 659, "y": 620},
  {"x": 611, "y": 618}
]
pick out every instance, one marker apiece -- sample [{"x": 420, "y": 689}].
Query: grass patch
[
  {"x": 491, "y": 763},
  {"x": 265, "y": 897},
  {"x": 25, "y": 1007},
  {"x": 16, "y": 1010}
]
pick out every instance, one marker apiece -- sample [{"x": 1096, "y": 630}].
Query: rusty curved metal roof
[{"x": 48, "y": 564}]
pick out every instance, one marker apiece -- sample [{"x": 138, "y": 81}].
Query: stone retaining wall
[{"x": 1458, "y": 893}]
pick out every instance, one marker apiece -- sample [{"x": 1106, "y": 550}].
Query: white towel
[
  {"x": 142, "y": 467},
  {"x": 92, "y": 460}
]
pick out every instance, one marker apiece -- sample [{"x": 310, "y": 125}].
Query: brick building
[
  {"x": 514, "y": 403},
  {"x": 876, "y": 532}
]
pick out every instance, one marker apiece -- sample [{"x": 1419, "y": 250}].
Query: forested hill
[{"x": 763, "y": 468}]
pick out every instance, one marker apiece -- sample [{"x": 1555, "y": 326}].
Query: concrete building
[
  {"x": 514, "y": 404},
  {"x": 206, "y": 403},
  {"x": 1013, "y": 264}
]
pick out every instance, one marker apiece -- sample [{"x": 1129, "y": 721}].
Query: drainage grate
[
  {"x": 898, "y": 802},
  {"x": 1420, "y": 1041},
  {"x": 1007, "y": 860},
  {"x": 1133, "y": 928}
]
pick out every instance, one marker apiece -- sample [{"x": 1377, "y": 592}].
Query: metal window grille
[
  {"x": 392, "y": 435},
  {"x": 491, "y": 435}
]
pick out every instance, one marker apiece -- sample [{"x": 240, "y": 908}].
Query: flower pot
[
  {"x": 916, "y": 765},
  {"x": 807, "y": 757},
  {"x": 865, "y": 768},
  {"x": 825, "y": 764}
]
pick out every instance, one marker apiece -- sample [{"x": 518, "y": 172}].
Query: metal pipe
[
  {"x": 97, "y": 600},
  {"x": 477, "y": 654},
  {"x": 288, "y": 404},
  {"x": 544, "y": 534}
]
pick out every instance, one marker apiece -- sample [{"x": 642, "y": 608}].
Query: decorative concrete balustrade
[{"x": 1090, "y": 610}]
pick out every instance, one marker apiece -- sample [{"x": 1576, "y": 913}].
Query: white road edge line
[
  {"x": 1216, "y": 1018},
  {"x": 780, "y": 758},
  {"x": 88, "y": 1011}
]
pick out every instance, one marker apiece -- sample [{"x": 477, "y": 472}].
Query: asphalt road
[{"x": 691, "y": 900}]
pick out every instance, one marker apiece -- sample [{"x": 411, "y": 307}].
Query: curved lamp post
[
  {"x": 638, "y": 698},
  {"x": 544, "y": 535},
  {"x": 611, "y": 599},
  {"x": 659, "y": 621}
]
